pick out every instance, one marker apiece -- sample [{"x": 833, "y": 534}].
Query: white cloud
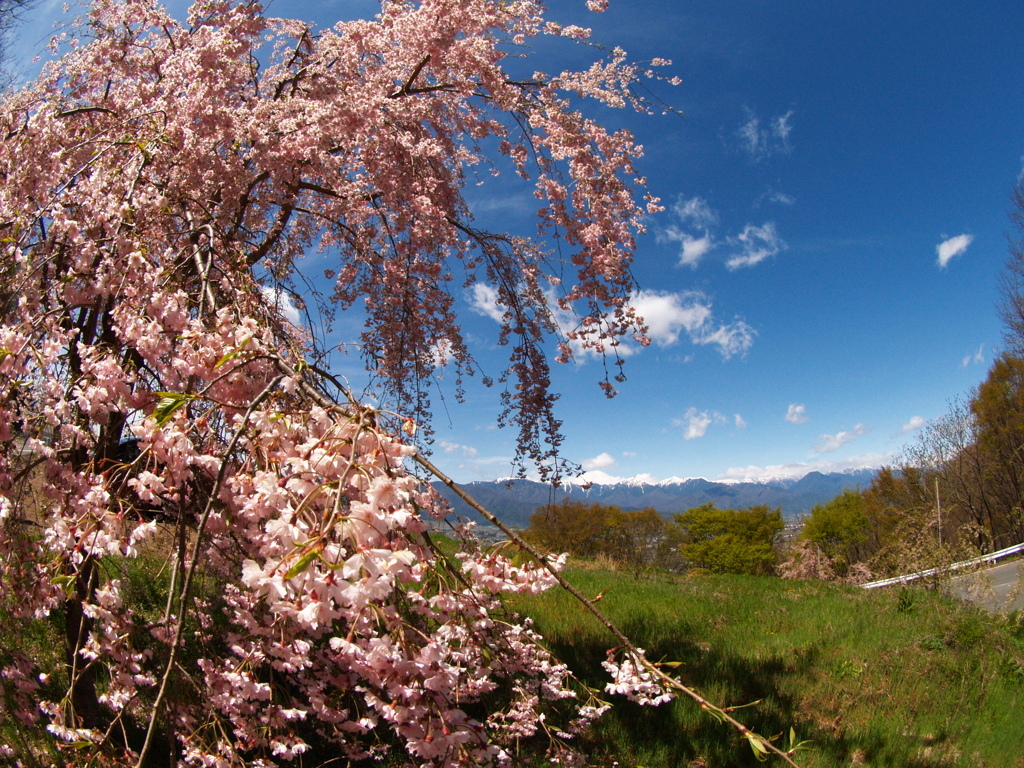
[
  {"x": 483, "y": 299},
  {"x": 951, "y": 247},
  {"x": 834, "y": 442},
  {"x": 756, "y": 244},
  {"x": 781, "y": 128},
  {"x": 459, "y": 449},
  {"x": 668, "y": 315},
  {"x": 915, "y": 423},
  {"x": 750, "y": 134},
  {"x": 781, "y": 198},
  {"x": 796, "y": 413},
  {"x": 977, "y": 358},
  {"x": 696, "y": 423},
  {"x": 740, "y": 422},
  {"x": 694, "y": 248},
  {"x": 283, "y": 301},
  {"x": 733, "y": 339},
  {"x": 762, "y": 141},
  {"x": 795, "y": 470},
  {"x": 695, "y": 212},
  {"x": 441, "y": 353},
  {"x": 601, "y": 461}
]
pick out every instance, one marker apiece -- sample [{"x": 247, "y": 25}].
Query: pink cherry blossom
[{"x": 236, "y": 550}]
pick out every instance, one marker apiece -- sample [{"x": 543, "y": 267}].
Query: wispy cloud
[
  {"x": 834, "y": 442},
  {"x": 796, "y": 413},
  {"x": 915, "y": 423},
  {"x": 756, "y": 244},
  {"x": 978, "y": 358},
  {"x": 761, "y": 140},
  {"x": 775, "y": 197},
  {"x": 457, "y": 449},
  {"x": 601, "y": 461},
  {"x": 740, "y": 422},
  {"x": 696, "y": 423},
  {"x": 283, "y": 301},
  {"x": 669, "y": 315},
  {"x": 952, "y": 247},
  {"x": 693, "y": 230},
  {"x": 483, "y": 299},
  {"x": 692, "y": 249},
  {"x": 696, "y": 213}
]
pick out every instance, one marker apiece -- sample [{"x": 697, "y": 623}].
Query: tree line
[{"x": 704, "y": 538}]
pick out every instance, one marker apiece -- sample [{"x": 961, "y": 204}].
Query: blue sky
[{"x": 824, "y": 278}]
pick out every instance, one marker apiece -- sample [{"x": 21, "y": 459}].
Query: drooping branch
[{"x": 759, "y": 743}]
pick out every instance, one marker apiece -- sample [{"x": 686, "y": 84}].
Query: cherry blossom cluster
[
  {"x": 634, "y": 678},
  {"x": 221, "y": 553}
]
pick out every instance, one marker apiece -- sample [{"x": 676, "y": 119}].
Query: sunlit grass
[
  {"x": 872, "y": 678},
  {"x": 879, "y": 678}
]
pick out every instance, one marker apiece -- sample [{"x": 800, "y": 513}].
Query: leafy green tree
[
  {"x": 727, "y": 540},
  {"x": 839, "y": 527}
]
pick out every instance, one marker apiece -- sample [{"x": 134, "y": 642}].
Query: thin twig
[{"x": 187, "y": 584}]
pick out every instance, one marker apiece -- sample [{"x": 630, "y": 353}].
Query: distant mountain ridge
[{"x": 513, "y": 501}]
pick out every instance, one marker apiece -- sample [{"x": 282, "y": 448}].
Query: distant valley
[{"x": 514, "y": 501}]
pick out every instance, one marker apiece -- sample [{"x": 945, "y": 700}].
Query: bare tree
[
  {"x": 12, "y": 14},
  {"x": 1011, "y": 282}
]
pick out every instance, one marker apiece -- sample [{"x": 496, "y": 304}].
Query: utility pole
[{"x": 938, "y": 509}]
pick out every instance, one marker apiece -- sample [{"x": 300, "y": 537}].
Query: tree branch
[{"x": 637, "y": 655}]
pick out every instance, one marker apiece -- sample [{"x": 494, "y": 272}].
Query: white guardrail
[{"x": 989, "y": 558}]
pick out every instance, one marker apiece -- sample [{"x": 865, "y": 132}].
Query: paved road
[{"x": 1000, "y": 588}]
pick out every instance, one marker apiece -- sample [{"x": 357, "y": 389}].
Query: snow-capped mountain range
[{"x": 515, "y": 500}]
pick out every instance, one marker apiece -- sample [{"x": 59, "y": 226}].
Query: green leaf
[
  {"x": 66, "y": 583},
  {"x": 232, "y": 354},
  {"x": 760, "y": 750},
  {"x": 168, "y": 403},
  {"x": 300, "y": 566}
]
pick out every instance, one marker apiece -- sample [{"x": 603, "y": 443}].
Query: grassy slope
[{"x": 879, "y": 678}]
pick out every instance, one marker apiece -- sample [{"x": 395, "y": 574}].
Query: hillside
[
  {"x": 514, "y": 501},
  {"x": 901, "y": 678}
]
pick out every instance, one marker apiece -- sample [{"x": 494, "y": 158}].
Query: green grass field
[{"x": 904, "y": 678}]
